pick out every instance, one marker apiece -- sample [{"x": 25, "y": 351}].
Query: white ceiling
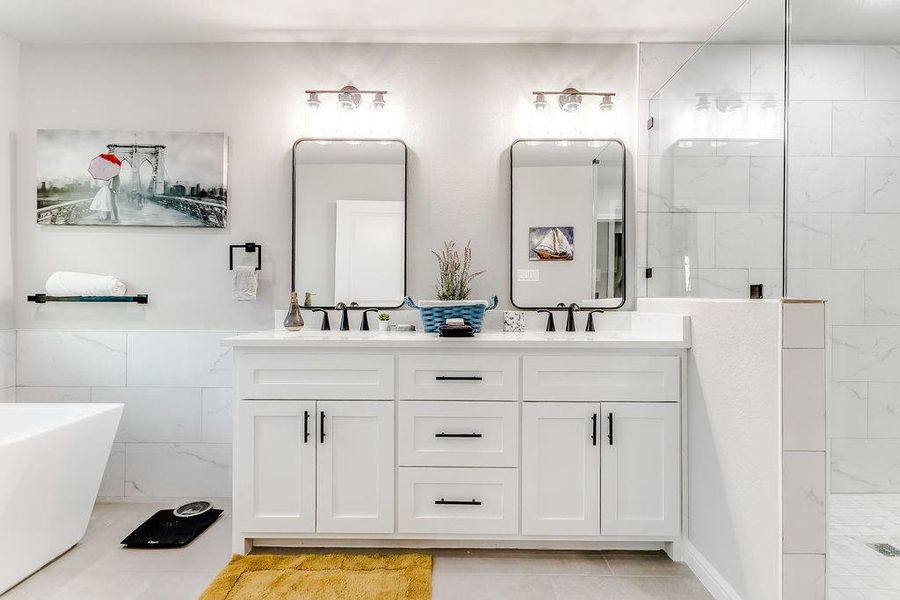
[
  {"x": 565, "y": 21},
  {"x": 448, "y": 21}
]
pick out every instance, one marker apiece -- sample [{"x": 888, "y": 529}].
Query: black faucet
[
  {"x": 570, "y": 318},
  {"x": 551, "y": 326},
  {"x": 364, "y": 324},
  {"x": 345, "y": 318},
  {"x": 326, "y": 324},
  {"x": 590, "y": 320}
]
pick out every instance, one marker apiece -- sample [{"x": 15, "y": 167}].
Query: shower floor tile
[{"x": 857, "y": 571}]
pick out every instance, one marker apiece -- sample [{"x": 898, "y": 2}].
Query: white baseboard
[{"x": 711, "y": 579}]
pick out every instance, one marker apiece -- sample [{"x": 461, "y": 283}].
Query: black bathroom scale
[{"x": 173, "y": 528}]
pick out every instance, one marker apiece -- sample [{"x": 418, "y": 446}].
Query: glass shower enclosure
[{"x": 772, "y": 164}]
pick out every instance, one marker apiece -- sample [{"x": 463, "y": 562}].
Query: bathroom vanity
[{"x": 557, "y": 440}]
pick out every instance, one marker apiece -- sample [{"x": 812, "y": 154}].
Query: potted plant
[
  {"x": 383, "y": 321},
  {"x": 455, "y": 276}
]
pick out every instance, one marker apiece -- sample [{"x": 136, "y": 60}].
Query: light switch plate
[{"x": 529, "y": 275}]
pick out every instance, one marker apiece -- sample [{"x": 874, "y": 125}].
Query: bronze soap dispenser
[{"x": 294, "y": 320}]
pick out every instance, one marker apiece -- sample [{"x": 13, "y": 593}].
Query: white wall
[
  {"x": 460, "y": 107},
  {"x": 734, "y": 456},
  {"x": 9, "y": 100}
]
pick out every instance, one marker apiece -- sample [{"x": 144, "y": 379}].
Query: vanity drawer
[
  {"x": 458, "y": 434},
  {"x": 439, "y": 377},
  {"x": 447, "y": 500},
  {"x": 594, "y": 378},
  {"x": 316, "y": 377}
]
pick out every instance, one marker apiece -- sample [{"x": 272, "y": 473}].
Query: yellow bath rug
[{"x": 323, "y": 576}]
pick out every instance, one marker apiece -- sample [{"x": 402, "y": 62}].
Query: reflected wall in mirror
[
  {"x": 568, "y": 223},
  {"x": 349, "y": 236}
]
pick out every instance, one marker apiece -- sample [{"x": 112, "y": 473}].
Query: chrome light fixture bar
[
  {"x": 348, "y": 98},
  {"x": 570, "y": 99}
]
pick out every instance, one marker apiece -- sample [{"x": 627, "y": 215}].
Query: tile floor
[
  {"x": 857, "y": 572},
  {"x": 98, "y": 569}
]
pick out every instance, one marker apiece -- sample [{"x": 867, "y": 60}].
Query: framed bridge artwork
[{"x": 136, "y": 178}]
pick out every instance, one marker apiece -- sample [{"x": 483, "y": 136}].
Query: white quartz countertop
[{"x": 647, "y": 331}]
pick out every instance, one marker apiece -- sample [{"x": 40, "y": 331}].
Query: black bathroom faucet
[
  {"x": 570, "y": 317},
  {"x": 326, "y": 323},
  {"x": 345, "y": 318},
  {"x": 364, "y": 323}
]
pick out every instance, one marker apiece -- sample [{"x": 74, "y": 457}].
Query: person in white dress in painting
[{"x": 102, "y": 202}]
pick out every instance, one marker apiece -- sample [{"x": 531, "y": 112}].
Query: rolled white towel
[{"x": 67, "y": 283}]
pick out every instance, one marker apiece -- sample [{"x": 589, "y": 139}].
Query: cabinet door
[
  {"x": 641, "y": 460},
  {"x": 355, "y": 467},
  {"x": 276, "y": 469},
  {"x": 561, "y": 468}
]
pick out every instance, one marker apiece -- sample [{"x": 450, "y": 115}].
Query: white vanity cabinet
[
  {"x": 277, "y": 466},
  {"x": 560, "y": 468},
  {"x": 307, "y": 466},
  {"x": 640, "y": 469},
  {"x": 527, "y": 440}
]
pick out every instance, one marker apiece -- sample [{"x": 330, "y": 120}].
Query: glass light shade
[
  {"x": 570, "y": 102},
  {"x": 378, "y": 103},
  {"x": 540, "y": 103},
  {"x": 313, "y": 101},
  {"x": 345, "y": 102},
  {"x": 606, "y": 104}
]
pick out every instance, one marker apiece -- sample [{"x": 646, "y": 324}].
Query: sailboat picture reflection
[{"x": 551, "y": 243}]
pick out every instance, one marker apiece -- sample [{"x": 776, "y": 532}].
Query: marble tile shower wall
[
  {"x": 712, "y": 193},
  {"x": 709, "y": 207},
  {"x": 174, "y": 439},
  {"x": 845, "y": 179}
]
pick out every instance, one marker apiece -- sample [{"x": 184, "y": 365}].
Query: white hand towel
[
  {"x": 244, "y": 283},
  {"x": 67, "y": 283}
]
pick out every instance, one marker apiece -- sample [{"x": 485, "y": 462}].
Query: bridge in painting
[{"x": 152, "y": 204}]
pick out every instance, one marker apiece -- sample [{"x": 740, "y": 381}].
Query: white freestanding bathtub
[{"x": 52, "y": 458}]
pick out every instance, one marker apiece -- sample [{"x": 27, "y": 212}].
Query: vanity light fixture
[
  {"x": 570, "y": 99},
  {"x": 348, "y": 98}
]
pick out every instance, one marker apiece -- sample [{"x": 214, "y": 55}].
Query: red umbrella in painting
[{"x": 105, "y": 167}]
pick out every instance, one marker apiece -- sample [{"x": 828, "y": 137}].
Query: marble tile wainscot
[{"x": 174, "y": 439}]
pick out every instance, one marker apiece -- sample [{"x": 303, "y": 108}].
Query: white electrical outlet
[{"x": 529, "y": 275}]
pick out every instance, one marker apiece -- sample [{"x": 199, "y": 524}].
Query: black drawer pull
[
  {"x": 472, "y": 502},
  {"x": 305, "y": 426},
  {"x": 458, "y": 378},
  {"x": 594, "y": 429},
  {"x": 322, "y": 427},
  {"x": 457, "y": 435}
]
